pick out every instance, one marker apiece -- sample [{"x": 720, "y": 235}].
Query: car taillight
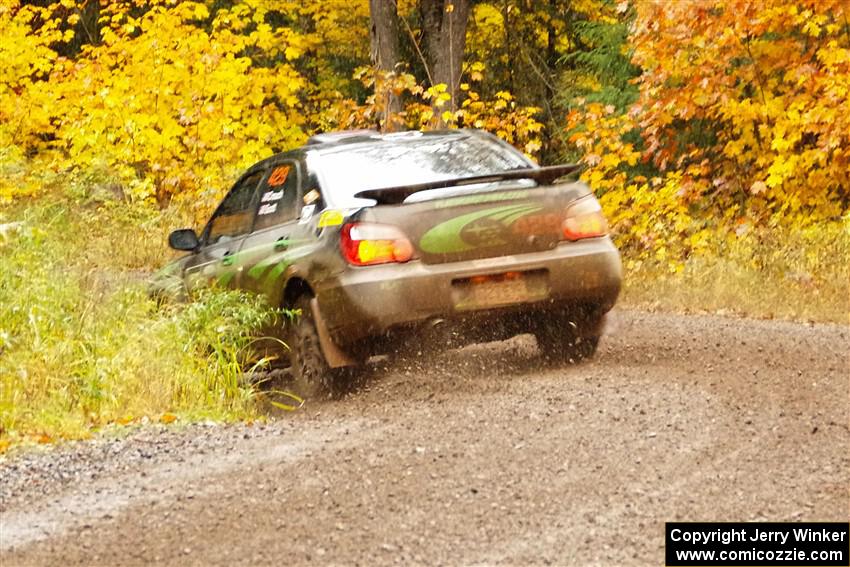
[
  {"x": 366, "y": 244},
  {"x": 584, "y": 219}
]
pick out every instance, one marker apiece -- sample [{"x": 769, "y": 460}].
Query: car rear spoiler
[{"x": 543, "y": 175}]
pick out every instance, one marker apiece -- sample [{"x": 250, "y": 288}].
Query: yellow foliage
[
  {"x": 649, "y": 218},
  {"x": 427, "y": 108},
  {"x": 169, "y": 108},
  {"x": 177, "y": 98}
]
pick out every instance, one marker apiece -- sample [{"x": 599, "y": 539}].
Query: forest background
[{"x": 715, "y": 132}]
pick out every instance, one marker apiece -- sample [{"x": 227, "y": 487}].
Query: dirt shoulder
[{"x": 481, "y": 456}]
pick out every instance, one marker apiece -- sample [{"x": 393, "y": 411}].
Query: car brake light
[
  {"x": 584, "y": 219},
  {"x": 366, "y": 244}
]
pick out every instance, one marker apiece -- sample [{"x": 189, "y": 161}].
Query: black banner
[{"x": 765, "y": 544}]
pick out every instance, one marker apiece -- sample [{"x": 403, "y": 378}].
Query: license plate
[{"x": 500, "y": 290}]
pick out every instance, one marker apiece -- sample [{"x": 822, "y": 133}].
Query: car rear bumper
[{"x": 369, "y": 301}]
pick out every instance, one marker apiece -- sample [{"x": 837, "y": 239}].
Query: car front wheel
[{"x": 310, "y": 370}]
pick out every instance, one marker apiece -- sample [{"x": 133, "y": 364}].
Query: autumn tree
[
  {"x": 384, "y": 35},
  {"x": 444, "y": 36},
  {"x": 740, "y": 121},
  {"x": 753, "y": 93},
  {"x": 546, "y": 53},
  {"x": 439, "y": 46},
  {"x": 689, "y": 110}
]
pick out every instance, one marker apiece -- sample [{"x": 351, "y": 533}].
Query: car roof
[{"x": 337, "y": 141}]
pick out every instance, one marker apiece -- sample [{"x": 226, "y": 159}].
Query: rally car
[{"x": 383, "y": 241}]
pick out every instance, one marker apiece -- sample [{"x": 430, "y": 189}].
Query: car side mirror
[{"x": 184, "y": 239}]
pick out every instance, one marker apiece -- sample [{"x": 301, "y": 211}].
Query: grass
[
  {"x": 82, "y": 345},
  {"x": 796, "y": 275}
]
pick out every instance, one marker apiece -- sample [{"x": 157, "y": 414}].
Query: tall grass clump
[
  {"x": 767, "y": 272},
  {"x": 81, "y": 343}
]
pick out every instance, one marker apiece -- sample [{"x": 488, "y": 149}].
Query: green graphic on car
[
  {"x": 225, "y": 278},
  {"x": 268, "y": 270},
  {"x": 474, "y": 230},
  {"x": 258, "y": 270},
  {"x": 466, "y": 232}
]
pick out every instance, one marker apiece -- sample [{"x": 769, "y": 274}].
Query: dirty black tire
[
  {"x": 567, "y": 342},
  {"x": 309, "y": 368}
]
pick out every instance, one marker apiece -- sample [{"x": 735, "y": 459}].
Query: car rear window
[{"x": 349, "y": 170}]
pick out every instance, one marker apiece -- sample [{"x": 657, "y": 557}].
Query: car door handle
[
  {"x": 281, "y": 243},
  {"x": 227, "y": 259}
]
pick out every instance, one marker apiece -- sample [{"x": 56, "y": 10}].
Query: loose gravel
[{"x": 480, "y": 456}]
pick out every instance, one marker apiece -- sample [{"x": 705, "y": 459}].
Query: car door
[
  {"x": 266, "y": 252},
  {"x": 217, "y": 261}
]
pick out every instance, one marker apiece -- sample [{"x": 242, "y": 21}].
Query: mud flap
[{"x": 334, "y": 356}]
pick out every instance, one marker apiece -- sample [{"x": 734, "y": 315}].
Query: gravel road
[{"x": 482, "y": 456}]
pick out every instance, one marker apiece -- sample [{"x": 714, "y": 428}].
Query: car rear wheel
[
  {"x": 311, "y": 372},
  {"x": 569, "y": 341}
]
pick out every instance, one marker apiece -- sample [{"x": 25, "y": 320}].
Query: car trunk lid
[{"x": 477, "y": 222}]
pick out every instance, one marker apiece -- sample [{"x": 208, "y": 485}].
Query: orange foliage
[
  {"x": 758, "y": 88},
  {"x": 743, "y": 120}
]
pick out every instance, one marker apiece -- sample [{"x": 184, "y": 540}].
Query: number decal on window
[{"x": 278, "y": 176}]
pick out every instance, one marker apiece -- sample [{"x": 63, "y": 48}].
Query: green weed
[{"x": 81, "y": 343}]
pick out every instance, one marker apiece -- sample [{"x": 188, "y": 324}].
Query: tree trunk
[
  {"x": 510, "y": 49},
  {"x": 384, "y": 52},
  {"x": 444, "y": 35}
]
